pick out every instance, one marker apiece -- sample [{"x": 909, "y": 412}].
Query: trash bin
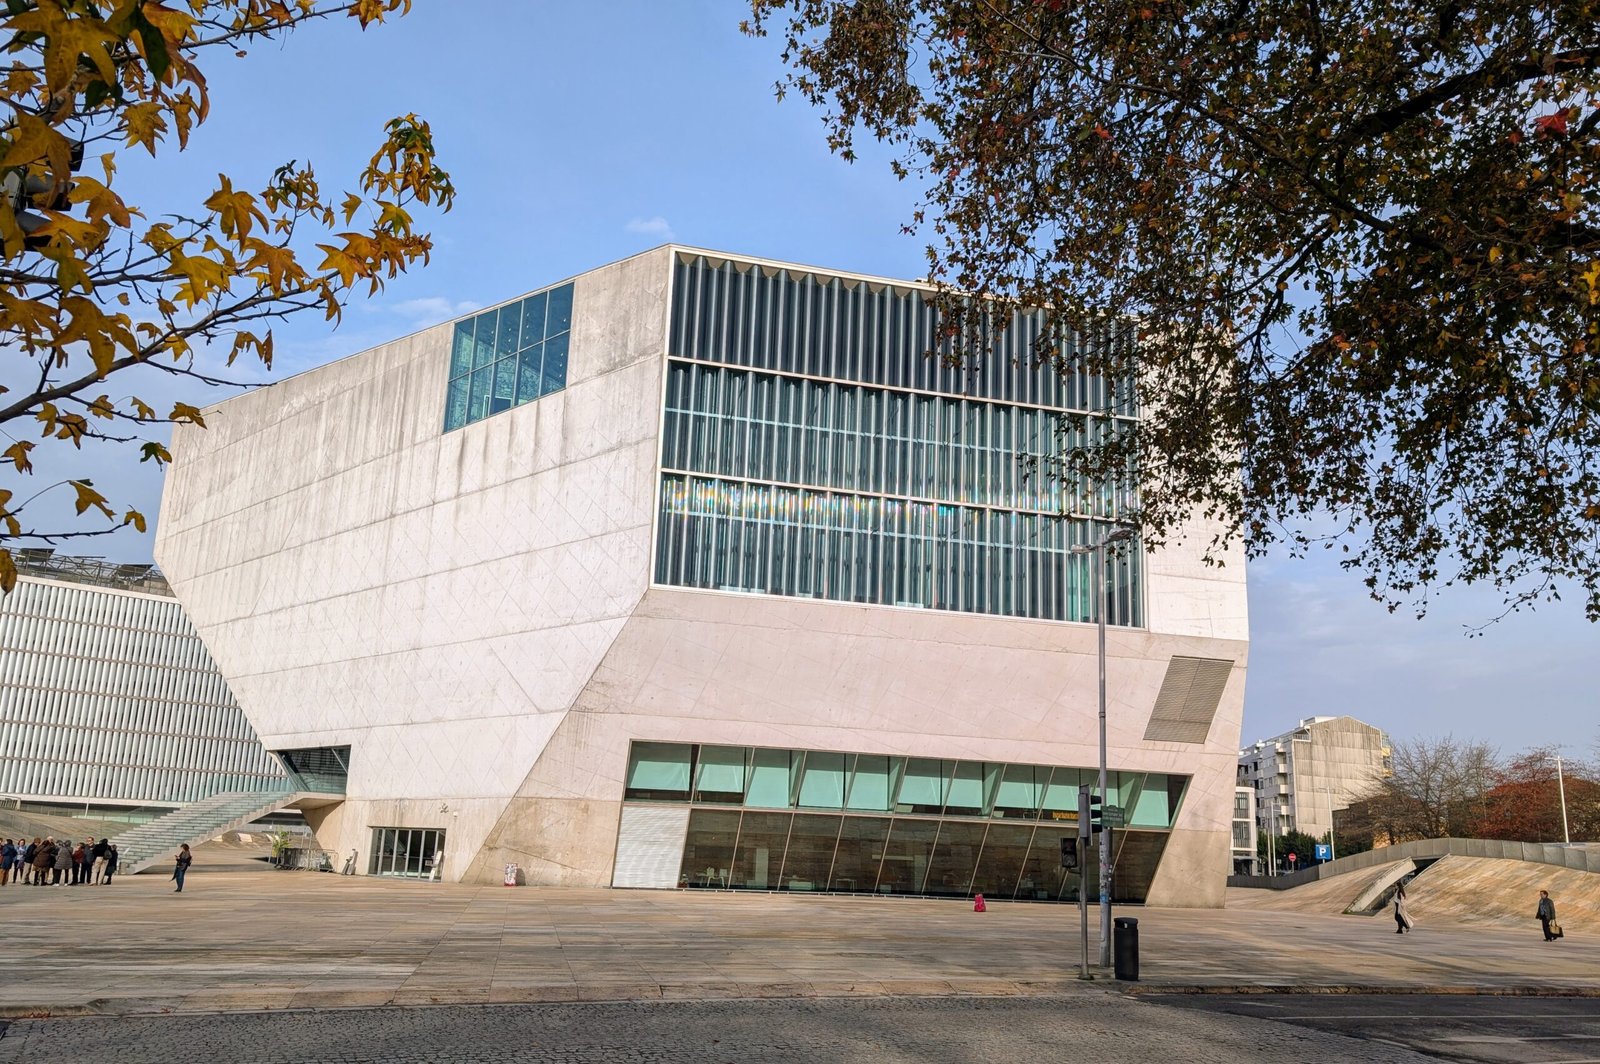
[{"x": 1125, "y": 948}]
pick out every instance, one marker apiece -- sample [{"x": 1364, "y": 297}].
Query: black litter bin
[{"x": 1125, "y": 948}]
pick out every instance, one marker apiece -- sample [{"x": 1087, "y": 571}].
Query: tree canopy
[
  {"x": 1359, "y": 242},
  {"x": 91, "y": 287}
]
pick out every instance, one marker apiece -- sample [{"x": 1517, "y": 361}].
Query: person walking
[
  {"x": 184, "y": 859},
  {"x": 1546, "y": 914},
  {"x": 109, "y": 869},
  {"x": 1402, "y": 916}
]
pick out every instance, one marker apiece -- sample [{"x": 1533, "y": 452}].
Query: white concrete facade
[{"x": 473, "y": 612}]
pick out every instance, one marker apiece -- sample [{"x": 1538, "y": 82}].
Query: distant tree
[
  {"x": 1361, "y": 245},
  {"x": 1346, "y": 843},
  {"x": 92, "y": 287},
  {"x": 1303, "y": 846},
  {"x": 1524, "y": 802},
  {"x": 1436, "y": 789}
]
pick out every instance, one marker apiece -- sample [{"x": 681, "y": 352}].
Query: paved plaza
[{"x": 272, "y": 940}]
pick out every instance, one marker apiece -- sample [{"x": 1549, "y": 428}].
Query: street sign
[
  {"x": 1293, "y": 857},
  {"x": 1324, "y": 851},
  {"x": 1113, "y": 817}
]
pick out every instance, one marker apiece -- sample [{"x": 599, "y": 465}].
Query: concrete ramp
[{"x": 1381, "y": 889}]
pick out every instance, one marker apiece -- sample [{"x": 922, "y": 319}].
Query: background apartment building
[{"x": 1302, "y": 776}]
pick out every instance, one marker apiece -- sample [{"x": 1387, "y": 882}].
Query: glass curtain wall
[
  {"x": 765, "y": 819},
  {"x": 899, "y": 481}
]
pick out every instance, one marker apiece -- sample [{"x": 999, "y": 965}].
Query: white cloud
[
  {"x": 656, "y": 227},
  {"x": 431, "y": 308}
]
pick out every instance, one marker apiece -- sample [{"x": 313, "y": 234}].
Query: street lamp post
[
  {"x": 1561, "y": 788},
  {"x": 1098, "y": 549}
]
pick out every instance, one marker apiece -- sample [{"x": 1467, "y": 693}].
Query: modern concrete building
[
  {"x": 109, "y": 702},
  {"x": 1303, "y": 776},
  {"x": 694, "y": 571}
]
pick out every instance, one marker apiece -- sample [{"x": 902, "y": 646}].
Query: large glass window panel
[
  {"x": 1138, "y": 853},
  {"x": 528, "y": 378},
  {"x": 924, "y": 786},
  {"x": 461, "y": 349},
  {"x": 455, "y": 410},
  {"x": 822, "y": 781},
  {"x": 659, "y": 771},
  {"x": 758, "y": 859},
  {"x": 809, "y": 856},
  {"x": 708, "y": 849},
  {"x": 1021, "y": 791},
  {"x": 533, "y": 319},
  {"x": 955, "y": 858},
  {"x": 721, "y": 774},
  {"x": 772, "y": 781},
  {"x": 906, "y": 855},
  {"x": 483, "y": 334},
  {"x": 554, "y": 372},
  {"x": 508, "y": 335},
  {"x": 1005, "y": 849},
  {"x": 972, "y": 789},
  {"x": 1042, "y": 877},
  {"x": 482, "y": 385},
  {"x": 559, "y": 317},
  {"x": 1061, "y": 795},
  {"x": 505, "y": 385},
  {"x": 859, "y": 854},
  {"x": 869, "y": 784}
]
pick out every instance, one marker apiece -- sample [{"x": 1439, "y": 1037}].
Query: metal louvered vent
[
  {"x": 650, "y": 846},
  {"x": 1188, "y": 700}
]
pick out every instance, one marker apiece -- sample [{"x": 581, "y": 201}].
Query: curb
[{"x": 1153, "y": 989}]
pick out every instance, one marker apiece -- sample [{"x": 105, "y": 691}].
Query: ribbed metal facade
[
  {"x": 108, "y": 696},
  {"x": 812, "y": 448}
]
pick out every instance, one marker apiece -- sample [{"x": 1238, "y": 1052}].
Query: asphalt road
[
  {"x": 1481, "y": 1030},
  {"x": 1103, "y": 1026}
]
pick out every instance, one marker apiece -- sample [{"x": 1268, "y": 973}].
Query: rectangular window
[
  {"x": 508, "y": 356},
  {"x": 659, "y": 771}
]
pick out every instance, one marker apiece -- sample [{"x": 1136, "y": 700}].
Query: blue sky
[{"x": 581, "y": 133}]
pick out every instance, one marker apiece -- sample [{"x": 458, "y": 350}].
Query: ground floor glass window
[{"x": 412, "y": 853}]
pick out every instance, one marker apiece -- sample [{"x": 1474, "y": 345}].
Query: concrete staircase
[{"x": 156, "y": 841}]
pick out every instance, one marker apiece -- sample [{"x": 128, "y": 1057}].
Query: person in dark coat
[
  {"x": 1546, "y": 914},
  {"x": 8, "y": 858},
  {"x": 43, "y": 859},
  {"x": 109, "y": 869},
  {"x": 184, "y": 859},
  {"x": 98, "y": 854},
  {"x": 28, "y": 855}
]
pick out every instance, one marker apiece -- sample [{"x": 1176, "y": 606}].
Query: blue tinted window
[
  {"x": 560, "y": 314},
  {"x": 533, "y": 319},
  {"x": 508, "y": 356},
  {"x": 461, "y": 350},
  {"x": 555, "y": 364}
]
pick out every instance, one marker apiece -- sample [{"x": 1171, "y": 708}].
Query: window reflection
[
  {"x": 906, "y": 856},
  {"x": 758, "y": 859},
  {"x": 809, "y": 858}
]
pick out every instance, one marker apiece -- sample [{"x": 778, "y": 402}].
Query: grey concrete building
[{"x": 1300, "y": 778}]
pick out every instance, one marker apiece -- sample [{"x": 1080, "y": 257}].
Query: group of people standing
[{"x": 49, "y": 862}]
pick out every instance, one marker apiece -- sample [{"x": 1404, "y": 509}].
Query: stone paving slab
[{"x": 274, "y": 940}]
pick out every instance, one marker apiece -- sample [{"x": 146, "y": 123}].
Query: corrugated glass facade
[
  {"x": 110, "y": 697},
  {"x": 812, "y": 448},
  {"x": 810, "y": 820},
  {"x": 508, "y": 356}
]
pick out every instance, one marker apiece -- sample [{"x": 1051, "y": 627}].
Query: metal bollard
[{"x": 1125, "y": 946}]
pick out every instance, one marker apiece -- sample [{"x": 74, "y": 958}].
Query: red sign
[{"x": 1293, "y": 858}]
